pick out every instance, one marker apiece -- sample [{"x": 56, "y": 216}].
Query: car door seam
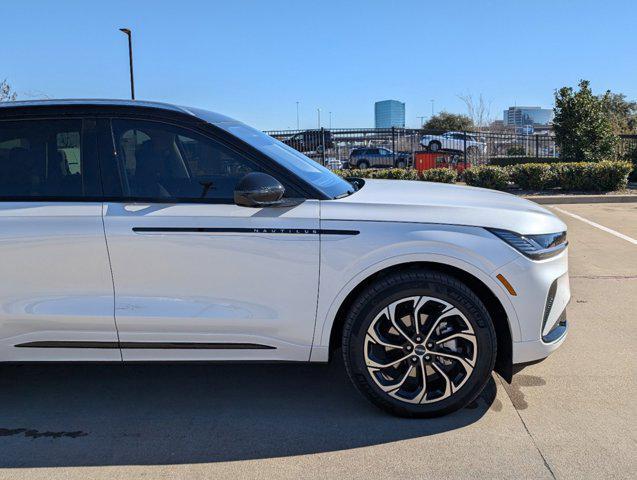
[{"x": 110, "y": 267}]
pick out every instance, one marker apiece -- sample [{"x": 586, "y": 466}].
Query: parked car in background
[
  {"x": 454, "y": 141},
  {"x": 174, "y": 234},
  {"x": 375, "y": 157},
  {"x": 310, "y": 141},
  {"x": 334, "y": 163}
]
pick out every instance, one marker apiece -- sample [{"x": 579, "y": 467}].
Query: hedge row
[
  {"x": 442, "y": 175},
  {"x": 602, "y": 176},
  {"x": 506, "y": 161}
]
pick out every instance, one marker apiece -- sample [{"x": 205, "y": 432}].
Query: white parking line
[{"x": 597, "y": 225}]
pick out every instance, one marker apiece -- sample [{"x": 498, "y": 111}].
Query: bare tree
[
  {"x": 7, "y": 94},
  {"x": 479, "y": 110}
]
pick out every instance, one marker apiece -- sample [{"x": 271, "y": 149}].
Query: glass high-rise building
[
  {"x": 389, "y": 113},
  {"x": 521, "y": 116}
]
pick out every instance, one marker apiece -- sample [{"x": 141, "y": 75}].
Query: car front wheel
[{"x": 419, "y": 343}]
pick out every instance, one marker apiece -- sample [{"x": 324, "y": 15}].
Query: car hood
[{"x": 427, "y": 202}]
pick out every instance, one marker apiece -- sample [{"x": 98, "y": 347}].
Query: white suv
[
  {"x": 454, "y": 141},
  {"x": 177, "y": 234}
]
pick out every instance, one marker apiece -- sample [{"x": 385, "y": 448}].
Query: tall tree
[
  {"x": 583, "y": 131},
  {"x": 622, "y": 113},
  {"x": 7, "y": 94},
  {"x": 449, "y": 121}
]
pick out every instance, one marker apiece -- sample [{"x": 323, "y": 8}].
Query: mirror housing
[{"x": 258, "y": 189}]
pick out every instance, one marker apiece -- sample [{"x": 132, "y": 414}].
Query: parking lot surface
[{"x": 571, "y": 416}]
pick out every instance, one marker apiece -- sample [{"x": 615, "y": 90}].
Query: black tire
[
  {"x": 418, "y": 282},
  {"x": 401, "y": 163},
  {"x": 434, "y": 146},
  {"x": 362, "y": 165}
]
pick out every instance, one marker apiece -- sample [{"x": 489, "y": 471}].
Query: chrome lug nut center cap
[{"x": 420, "y": 350}]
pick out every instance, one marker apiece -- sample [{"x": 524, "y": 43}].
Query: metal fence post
[
  {"x": 537, "y": 146},
  {"x": 393, "y": 144},
  {"x": 323, "y": 145},
  {"x": 464, "y": 141}
]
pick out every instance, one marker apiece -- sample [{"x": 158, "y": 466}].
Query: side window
[
  {"x": 43, "y": 159},
  {"x": 161, "y": 161}
]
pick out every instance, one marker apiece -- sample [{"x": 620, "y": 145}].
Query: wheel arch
[{"x": 501, "y": 321}]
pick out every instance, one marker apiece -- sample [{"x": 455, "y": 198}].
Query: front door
[
  {"x": 56, "y": 298},
  {"x": 197, "y": 277}
]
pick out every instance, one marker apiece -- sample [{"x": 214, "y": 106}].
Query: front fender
[{"x": 348, "y": 261}]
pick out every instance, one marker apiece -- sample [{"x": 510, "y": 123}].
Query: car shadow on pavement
[{"x": 90, "y": 415}]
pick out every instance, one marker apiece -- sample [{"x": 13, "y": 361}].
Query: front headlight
[{"x": 537, "y": 247}]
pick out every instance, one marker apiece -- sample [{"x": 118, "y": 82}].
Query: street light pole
[
  {"x": 432, "y": 107},
  {"x": 130, "y": 60},
  {"x": 318, "y": 111},
  {"x": 330, "y": 120},
  {"x": 422, "y": 121},
  {"x": 297, "y": 116}
]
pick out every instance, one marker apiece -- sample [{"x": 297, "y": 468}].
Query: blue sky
[{"x": 254, "y": 60}]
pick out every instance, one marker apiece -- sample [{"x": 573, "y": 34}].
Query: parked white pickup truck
[{"x": 456, "y": 141}]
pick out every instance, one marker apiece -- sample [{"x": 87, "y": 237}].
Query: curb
[{"x": 562, "y": 199}]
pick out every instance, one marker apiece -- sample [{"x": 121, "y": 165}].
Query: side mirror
[{"x": 258, "y": 189}]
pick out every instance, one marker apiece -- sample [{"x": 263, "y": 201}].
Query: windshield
[{"x": 320, "y": 177}]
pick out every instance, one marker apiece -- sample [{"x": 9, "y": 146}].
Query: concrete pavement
[{"x": 572, "y": 416}]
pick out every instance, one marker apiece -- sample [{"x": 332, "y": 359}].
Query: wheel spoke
[
  {"x": 372, "y": 364},
  {"x": 417, "y": 306},
  {"x": 396, "y": 386},
  {"x": 420, "y": 398},
  {"x": 447, "y": 313},
  {"x": 373, "y": 334},
  {"x": 448, "y": 384},
  {"x": 466, "y": 335},
  {"x": 391, "y": 313},
  {"x": 467, "y": 364}
]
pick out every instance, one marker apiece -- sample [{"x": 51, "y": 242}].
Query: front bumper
[{"x": 543, "y": 292}]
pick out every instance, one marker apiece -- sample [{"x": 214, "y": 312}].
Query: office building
[
  {"x": 389, "y": 113},
  {"x": 523, "y": 116}
]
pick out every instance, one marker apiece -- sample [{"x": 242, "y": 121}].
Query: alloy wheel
[{"x": 420, "y": 349}]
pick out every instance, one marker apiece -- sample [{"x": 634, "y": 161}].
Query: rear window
[{"x": 42, "y": 159}]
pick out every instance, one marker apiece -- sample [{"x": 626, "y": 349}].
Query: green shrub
[
  {"x": 383, "y": 173},
  {"x": 604, "y": 176},
  {"x": 533, "y": 176},
  {"x": 631, "y": 156},
  {"x": 576, "y": 176},
  {"x": 611, "y": 175},
  {"x": 441, "y": 175},
  {"x": 487, "y": 176},
  {"x": 504, "y": 161}
]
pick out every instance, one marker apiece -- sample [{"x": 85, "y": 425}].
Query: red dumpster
[{"x": 427, "y": 160}]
